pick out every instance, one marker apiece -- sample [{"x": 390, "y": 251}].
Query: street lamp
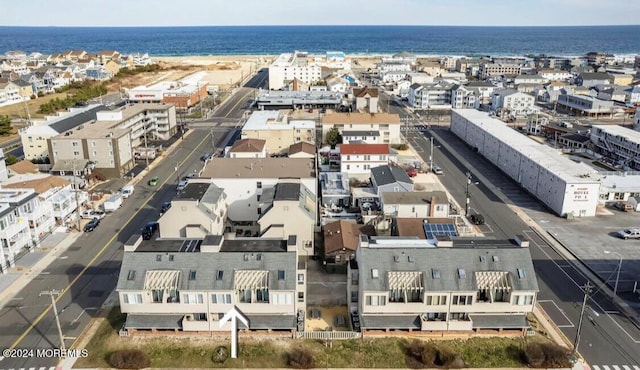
[
  {"x": 467, "y": 206},
  {"x": 615, "y": 286}
]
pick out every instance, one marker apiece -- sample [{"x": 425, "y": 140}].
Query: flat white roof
[
  {"x": 545, "y": 156},
  {"x": 274, "y": 120},
  {"x": 622, "y": 183},
  {"x": 629, "y": 134}
]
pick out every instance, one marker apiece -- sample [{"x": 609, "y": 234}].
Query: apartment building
[
  {"x": 357, "y": 160},
  {"x": 153, "y": 121},
  {"x": 187, "y": 285},
  {"x": 108, "y": 150},
  {"x": 465, "y": 97},
  {"x": 620, "y": 143},
  {"x": 291, "y": 66},
  {"x": 245, "y": 179},
  {"x": 361, "y": 137},
  {"x": 555, "y": 75},
  {"x": 286, "y": 209},
  {"x": 278, "y": 131},
  {"x": 431, "y": 96},
  {"x": 199, "y": 210},
  {"x": 513, "y": 102},
  {"x": 586, "y": 105},
  {"x": 182, "y": 94},
  {"x": 488, "y": 70},
  {"x": 387, "y": 124},
  {"x": 28, "y": 205},
  {"x": 416, "y": 285}
]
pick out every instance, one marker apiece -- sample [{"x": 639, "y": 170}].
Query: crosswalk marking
[
  {"x": 626, "y": 367},
  {"x": 32, "y": 368},
  {"x": 616, "y": 367},
  {"x": 48, "y": 368},
  {"x": 636, "y": 367},
  {"x": 605, "y": 367}
]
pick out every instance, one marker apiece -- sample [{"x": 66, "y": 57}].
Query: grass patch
[
  {"x": 18, "y": 110},
  {"x": 179, "y": 352}
]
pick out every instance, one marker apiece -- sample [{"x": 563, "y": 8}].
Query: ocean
[{"x": 271, "y": 40}]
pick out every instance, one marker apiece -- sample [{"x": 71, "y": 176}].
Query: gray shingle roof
[
  {"x": 388, "y": 175},
  {"x": 74, "y": 120},
  {"x": 206, "y": 266},
  {"x": 448, "y": 261},
  {"x": 287, "y": 191}
]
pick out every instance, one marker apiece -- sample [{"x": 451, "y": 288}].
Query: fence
[{"x": 328, "y": 335}]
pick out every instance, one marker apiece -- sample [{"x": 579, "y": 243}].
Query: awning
[
  {"x": 493, "y": 280},
  {"x": 518, "y": 321},
  {"x": 153, "y": 321},
  {"x": 390, "y": 322},
  {"x": 161, "y": 280},
  {"x": 251, "y": 279}
]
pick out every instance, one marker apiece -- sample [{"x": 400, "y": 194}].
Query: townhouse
[
  {"x": 188, "y": 285},
  {"x": 278, "y": 130},
  {"x": 245, "y": 179},
  {"x": 621, "y": 143},
  {"x": 357, "y": 160},
  {"x": 465, "y": 97},
  {"x": 199, "y": 210},
  {"x": 417, "y": 285},
  {"x": 26, "y": 204},
  {"x": 387, "y": 124}
]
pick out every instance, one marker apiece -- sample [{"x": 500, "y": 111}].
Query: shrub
[
  {"x": 220, "y": 354},
  {"x": 534, "y": 355},
  {"x": 401, "y": 146},
  {"x": 299, "y": 358},
  {"x": 449, "y": 359},
  {"x": 129, "y": 359},
  {"x": 420, "y": 354},
  {"x": 556, "y": 356}
]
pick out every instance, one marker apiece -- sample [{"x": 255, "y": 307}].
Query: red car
[{"x": 412, "y": 173}]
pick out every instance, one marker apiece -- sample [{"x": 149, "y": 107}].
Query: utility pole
[
  {"x": 146, "y": 148},
  {"x": 213, "y": 143},
  {"x": 576, "y": 342},
  {"x": 466, "y": 208},
  {"x": 75, "y": 185},
  {"x": 54, "y": 293},
  {"x": 431, "y": 161}
]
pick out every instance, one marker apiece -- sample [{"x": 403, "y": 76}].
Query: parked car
[
  {"x": 477, "y": 219},
  {"x": 91, "y": 214},
  {"x": 188, "y": 176},
  {"x": 437, "y": 170},
  {"x": 412, "y": 173},
  {"x": 181, "y": 185},
  {"x": 624, "y": 206},
  {"x": 149, "y": 230},
  {"x": 632, "y": 233},
  {"x": 153, "y": 181},
  {"x": 99, "y": 215},
  {"x": 127, "y": 191},
  {"x": 206, "y": 157},
  {"x": 165, "y": 207},
  {"x": 91, "y": 225}
]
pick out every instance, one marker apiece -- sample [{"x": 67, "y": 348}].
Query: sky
[{"x": 316, "y": 12}]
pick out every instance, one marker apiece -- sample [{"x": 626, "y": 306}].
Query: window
[
  {"x": 259, "y": 184},
  {"x": 496, "y": 259},
  {"x": 131, "y": 275},
  {"x": 93, "y": 144},
  {"x": 219, "y": 274},
  {"x": 193, "y": 298},
  {"x": 523, "y": 300},
  {"x": 246, "y": 257},
  {"x": 76, "y": 153},
  {"x": 521, "y": 273},
  {"x": 259, "y": 210},
  {"x": 300, "y": 296},
  {"x": 282, "y": 298},
  {"x": 221, "y": 298},
  {"x": 171, "y": 257},
  {"x": 483, "y": 258},
  {"x": 158, "y": 257},
  {"x": 280, "y": 274},
  {"x": 435, "y": 273},
  {"x": 436, "y": 300},
  {"x": 95, "y": 153},
  {"x": 374, "y": 273},
  {"x": 200, "y": 316},
  {"x": 354, "y": 297},
  {"x": 300, "y": 279},
  {"x": 376, "y": 300},
  {"x": 192, "y": 275},
  {"x": 259, "y": 257},
  {"x": 462, "y": 274},
  {"x": 462, "y": 300},
  {"x": 74, "y": 143},
  {"x": 132, "y": 298}
]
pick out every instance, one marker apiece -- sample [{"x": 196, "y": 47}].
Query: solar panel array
[{"x": 434, "y": 230}]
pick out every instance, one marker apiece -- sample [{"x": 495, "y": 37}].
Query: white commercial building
[
  {"x": 290, "y": 66},
  {"x": 564, "y": 186},
  {"x": 620, "y": 143}
]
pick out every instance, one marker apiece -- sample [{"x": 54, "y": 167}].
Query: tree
[
  {"x": 5, "y": 125},
  {"x": 333, "y": 137},
  {"x": 10, "y": 159}
]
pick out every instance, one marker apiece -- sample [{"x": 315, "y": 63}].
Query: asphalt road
[{"x": 607, "y": 337}]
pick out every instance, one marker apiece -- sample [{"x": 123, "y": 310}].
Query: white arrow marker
[{"x": 234, "y": 315}]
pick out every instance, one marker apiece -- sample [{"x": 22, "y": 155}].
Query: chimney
[
  {"x": 364, "y": 241},
  {"x": 432, "y": 206},
  {"x": 211, "y": 244},
  {"x": 521, "y": 241},
  {"x": 132, "y": 243}
]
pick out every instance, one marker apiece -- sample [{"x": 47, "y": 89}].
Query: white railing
[{"x": 328, "y": 335}]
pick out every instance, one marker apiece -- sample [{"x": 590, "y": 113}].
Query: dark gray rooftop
[
  {"x": 250, "y": 245},
  {"x": 287, "y": 191},
  {"x": 168, "y": 245},
  {"x": 517, "y": 321},
  {"x": 361, "y": 133},
  {"x": 76, "y": 119},
  {"x": 135, "y": 321},
  {"x": 193, "y": 191},
  {"x": 385, "y": 175},
  {"x": 390, "y": 322}
]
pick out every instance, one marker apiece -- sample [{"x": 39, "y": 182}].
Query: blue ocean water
[{"x": 269, "y": 40}]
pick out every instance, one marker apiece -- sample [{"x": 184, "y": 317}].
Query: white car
[
  {"x": 437, "y": 170},
  {"x": 632, "y": 233},
  {"x": 91, "y": 214},
  {"x": 181, "y": 185}
]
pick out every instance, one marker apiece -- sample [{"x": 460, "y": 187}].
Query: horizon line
[{"x": 321, "y": 25}]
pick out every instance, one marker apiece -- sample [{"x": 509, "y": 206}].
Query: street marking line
[
  {"x": 616, "y": 367},
  {"x": 612, "y": 312},
  {"x": 636, "y": 367},
  {"x": 570, "y": 325},
  {"x": 626, "y": 367},
  {"x": 595, "y": 367},
  {"x": 94, "y": 259},
  {"x": 605, "y": 367}
]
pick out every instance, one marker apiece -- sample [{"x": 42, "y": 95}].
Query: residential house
[
  {"x": 278, "y": 131},
  {"x": 15, "y": 235},
  {"x": 586, "y": 105},
  {"x": 112, "y": 67},
  {"x": 402, "y": 89},
  {"x": 9, "y": 93},
  {"x": 485, "y": 89},
  {"x": 336, "y": 84},
  {"x": 302, "y": 150},
  {"x": 35, "y": 210},
  {"x": 74, "y": 55},
  {"x": 465, "y": 97},
  {"x": 341, "y": 240},
  {"x": 589, "y": 80},
  {"x": 199, "y": 210},
  {"x": 512, "y": 102},
  {"x": 357, "y": 160},
  {"x": 634, "y": 97},
  {"x": 288, "y": 208},
  {"x": 390, "y": 179},
  {"x": 248, "y": 148},
  {"x": 245, "y": 179},
  {"x": 98, "y": 73},
  {"x": 415, "y": 204},
  {"x": 366, "y": 99},
  {"x": 189, "y": 285},
  {"x": 25, "y": 89},
  {"x": 431, "y": 96},
  {"x": 387, "y": 124},
  {"x": 414, "y": 285},
  {"x": 616, "y": 93},
  {"x": 36, "y": 81},
  {"x": 361, "y": 137},
  {"x": 419, "y": 78},
  {"x": 390, "y": 77},
  {"x": 334, "y": 189},
  {"x": 555, "y": 74},
  {"x": 105, "y": 56},
  {"x": 15, "y": 55},
  {"x": 422, "y": 228},
  {"x": 530, "y": 79}
]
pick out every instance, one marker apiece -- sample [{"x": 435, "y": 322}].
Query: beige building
[
  {"x": 289, "y": 208},
  {"x": 189, "y": 284},
  {"x": 415, "y": 204},
  {"x": 366, "y": 99},
  {"x": 387, "y": 124},
  {"x": 197, "y": 211},
  {"x": 112, "y": 67},
  {"x": 463, "y": 286},
  {"x": 248, "y": 148},
  {"x": 109, "y": 149},
  {"x": 278, "y": 131}
]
